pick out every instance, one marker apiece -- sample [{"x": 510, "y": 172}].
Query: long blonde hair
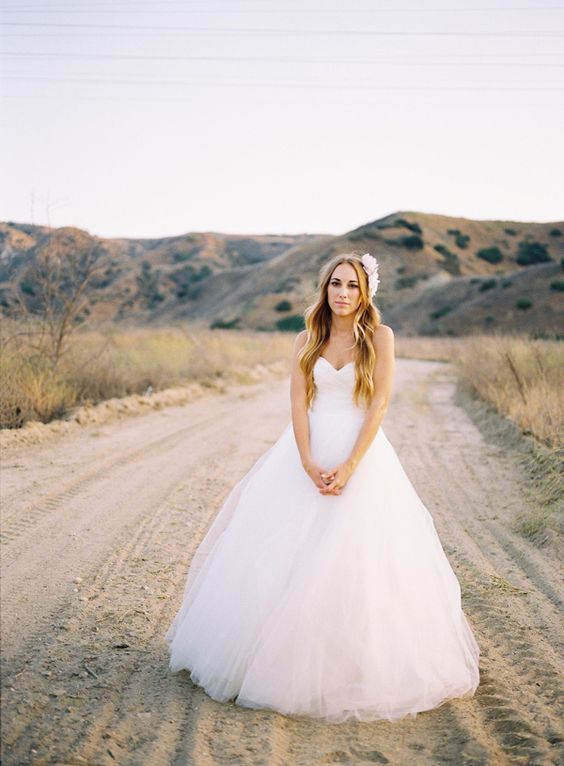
[{"x": 318, "y": 326}]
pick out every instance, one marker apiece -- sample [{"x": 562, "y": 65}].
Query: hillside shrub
[
  {"x": 524, "y": 303},
  {"x": 283, "y": 306},
  {"x": 438, "y": 313},
  {"x": 532, "y": 252},
  {"x": 506, "y": 283},
  {"x": 224, "y": 324},
  {"x": 490, "y": 254},
  {"x": 148, "y": 286},
  {"x": 409, "y": 281},
  {"x": 557, "y": 285},
  {"x": 488, "y": 284},
  {"x": 511, "y": 232},
  {"x": 556, "y": 232},
  {"x": 293, "y": 323},
  {"x": 450, "y": 262},
  {"x": 287, "y": 285},
  {"x": 412, "y": 242},
  {"x": 460, "y": 239},
  {"x": 185, "y": 279},
  {"x": 415, "y": 227}
]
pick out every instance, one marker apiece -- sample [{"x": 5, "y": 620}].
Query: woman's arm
[
  {"x": 383, "y": 375},
  {"x": 300, "y": 421}
]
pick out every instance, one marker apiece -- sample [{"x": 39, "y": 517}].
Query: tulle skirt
[{"x": 331, "y": 607}]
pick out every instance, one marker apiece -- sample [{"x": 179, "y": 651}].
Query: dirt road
[{"x": 98, "y": 530}]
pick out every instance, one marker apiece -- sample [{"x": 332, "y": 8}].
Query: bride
[{"x": 321, "y": 588}]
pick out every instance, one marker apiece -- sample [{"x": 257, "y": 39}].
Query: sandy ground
[{"x": 100, "y": 523}]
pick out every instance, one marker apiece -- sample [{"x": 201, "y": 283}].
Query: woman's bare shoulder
[
  {"x": 300, "y": 340},
  {"x": 383, "y": 334}
]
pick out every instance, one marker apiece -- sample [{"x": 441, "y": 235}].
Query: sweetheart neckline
[{"x": 334, "y": 368}]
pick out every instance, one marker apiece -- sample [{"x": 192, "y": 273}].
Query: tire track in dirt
[
  {"x": 156, "y": 529},
  {"x": 527, "y": 726},
  {"x": 22, "y": 519}
]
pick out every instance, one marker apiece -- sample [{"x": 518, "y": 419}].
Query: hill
[{"x": 439, "y": 275}]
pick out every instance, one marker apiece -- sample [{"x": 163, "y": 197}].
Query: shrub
[
  {"x": 490, "y": 254},
  {"x": 283, "y": 306},
  {"x": 413, "y": 242},
  {"x": 511, "y": 232},
  {"x": 488, "y": 284},
  {"x": 403, "y": 282},
  {"x": 438, "y": 313},
  {"x": 506, "y": 283},
  {"x": 524, "y": 303},
  {"x": 557, "y": 285},
  {"x": 224, "y": 324},
  {"x": 408, "y": 225},
  {"x": 293, "y": 323},
  {"x": 460, "y": 239},
  {"x": 532, "y": 252},
  {"x": 450, "y": 262},
  {"x": 556, "y": 232}
]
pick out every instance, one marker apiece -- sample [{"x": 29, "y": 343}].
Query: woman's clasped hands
[{"x": 329, "y": 482}]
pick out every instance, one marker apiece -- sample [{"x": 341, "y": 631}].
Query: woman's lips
[{"x": 341, "y": 303}]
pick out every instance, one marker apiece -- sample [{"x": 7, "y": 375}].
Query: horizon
[{"x": 286, "y": 233}]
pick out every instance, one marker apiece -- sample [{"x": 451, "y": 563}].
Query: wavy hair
[{"x": 318, "y": 326}]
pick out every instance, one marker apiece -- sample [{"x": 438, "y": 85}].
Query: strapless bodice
[{"x": 334, "y": 389}]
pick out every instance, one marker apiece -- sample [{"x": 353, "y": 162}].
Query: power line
[
  {"x": 300, "y": 85},
  {"x": 114, "y": 9},
  {"x": 323, "y": 60},
  {"x": 266, "y": 31},
  {"x": 19, "y": 55}
]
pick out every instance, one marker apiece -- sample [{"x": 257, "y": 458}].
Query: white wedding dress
[{"x": 326, "y": 606}]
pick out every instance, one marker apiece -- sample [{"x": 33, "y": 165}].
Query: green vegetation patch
[
  {"x": 490, "y": 254},
  {"x": 293, "y": 323},
  {"x": 438, "y": 313},
  {"x": 532, "y": 252}
]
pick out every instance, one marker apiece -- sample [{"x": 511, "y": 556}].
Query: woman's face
[{"x": 343, "y": 291}]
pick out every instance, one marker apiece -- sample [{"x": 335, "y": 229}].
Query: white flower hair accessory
[{"x": 370, "y": 265}]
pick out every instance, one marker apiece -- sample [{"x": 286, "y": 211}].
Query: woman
[{"x": 321, "y": 588}]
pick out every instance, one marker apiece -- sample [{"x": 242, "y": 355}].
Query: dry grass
[
  {"x": 113, "y": 362},
  {"x": 521, "y": 378}
]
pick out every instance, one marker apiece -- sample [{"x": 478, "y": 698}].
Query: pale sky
[{"x": 159, "y": 117}]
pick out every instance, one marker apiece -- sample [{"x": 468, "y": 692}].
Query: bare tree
[{"x": 54, "y": 292}]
